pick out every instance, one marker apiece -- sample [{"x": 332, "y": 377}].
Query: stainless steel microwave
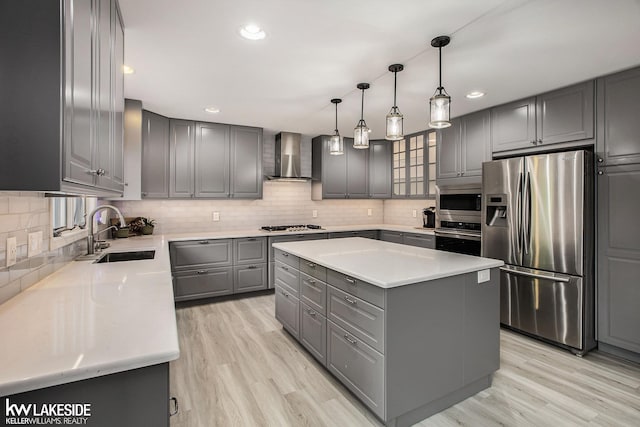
[{"x": 459, "y": 203}]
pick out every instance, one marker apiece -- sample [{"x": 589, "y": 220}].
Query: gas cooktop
[{"x": 291, "y": 227}]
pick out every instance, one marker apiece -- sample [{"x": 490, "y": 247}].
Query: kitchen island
[{"x": 410, "y": 331}]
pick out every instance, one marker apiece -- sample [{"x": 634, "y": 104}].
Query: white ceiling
[{"x": 188, "y": 55}]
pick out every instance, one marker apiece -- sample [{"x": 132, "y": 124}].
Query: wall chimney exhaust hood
[{"x": 287, "y": 154}]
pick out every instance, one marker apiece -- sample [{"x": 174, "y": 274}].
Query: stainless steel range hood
[{"x": 287, "y": 154}]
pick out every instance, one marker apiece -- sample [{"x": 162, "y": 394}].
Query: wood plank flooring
[{"x": 238, "y": 367}]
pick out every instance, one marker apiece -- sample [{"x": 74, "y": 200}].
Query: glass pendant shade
[
  {"x": 361, "y": 135},
  {"x": 336, "y": 145},
  {"x": 394, "y": 125},
  {"x": 439, "y": 108}
]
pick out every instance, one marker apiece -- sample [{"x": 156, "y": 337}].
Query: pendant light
[
  {"x": 361, "y": 132},
  {"x": 394, "y": 118},
  {"x": 440, "y": 102},
  {"x": 336, "y": 144}
]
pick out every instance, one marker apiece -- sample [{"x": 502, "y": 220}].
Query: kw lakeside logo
[{"x": 46, "y": 413}]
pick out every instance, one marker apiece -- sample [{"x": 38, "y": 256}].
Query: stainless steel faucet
[{"x": 90, "y": 236}]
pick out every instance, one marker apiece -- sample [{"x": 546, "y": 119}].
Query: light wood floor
[{"x": 237, "y": 367}]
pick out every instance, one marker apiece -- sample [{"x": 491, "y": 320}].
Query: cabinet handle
[
  {"x": 350, "y": 301},
  {"x": 252, "y": 239},
  {"x": 311, "y": 312},
  {"x": 350, "y": 340},
  {"x": 175, "y": 407},
  {"x": 145, "y": 194},
  {"x": 533, "y": 142},
  {"x": 461, "y": 173},
  {"x": 285, "y": 254},
  {"x": 312, "y": 282},
  {"x": 349, "y": 280},
  {"x": 201, "y": 272},
  {"x": 252, "y": 267},
  {"x": 540, "y": 141},
  {"x": 311, "y": 265},
  {"x": 285, "y": 268},
  {"x": 600, "y": 173},
  {"x": 286, "y": 295},
  {"x": 600, "y": 160},
  {"x": 204, "y": 242},
  {"x": 97, "y": 172}
]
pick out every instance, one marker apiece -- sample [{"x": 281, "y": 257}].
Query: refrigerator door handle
[
  {"x": 552, "y": 277},
  {"x": 526, "y": 215},
  {"x": 519, "y": 215}
]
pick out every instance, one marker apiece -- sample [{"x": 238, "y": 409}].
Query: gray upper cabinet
[
  {"x": 618, "y": 125},
  {"x": 463, "y": 147},
  {"x": 618, "y": 255},
  {"x": 246, "y": 162},
  {"x": 563, "y": 115},
  {"x": 212, "y": 160},
  {"x": 117, "y": 165},
  {"x": 380, "y": 181},
  {"x": 155, "y": 155},
  {"x": 341, "y": 177},
  {"x": 513, "y": 125},
  {"x": 61, "y": 54},
  {"x": 181, "y": 158}
]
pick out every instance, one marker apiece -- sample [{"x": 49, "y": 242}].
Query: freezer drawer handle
[{"x": 536, "y": 276}]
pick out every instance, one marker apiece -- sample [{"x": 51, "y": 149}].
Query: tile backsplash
[
  {"x": 282, "y": 203},
  {"x": 22, "y": 213},
  {"x": 400, "y": 211}
]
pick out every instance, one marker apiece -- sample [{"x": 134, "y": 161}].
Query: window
[
  {"x": 69, "y": 213},
  {"x": 414, "y": 163}
]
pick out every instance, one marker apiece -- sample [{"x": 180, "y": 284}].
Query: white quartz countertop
[
  {"x": 386, "y": 264},
  {"x": 87, "y": 320}
]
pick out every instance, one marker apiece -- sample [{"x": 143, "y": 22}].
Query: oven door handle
[{"x": 457, "y": 235}]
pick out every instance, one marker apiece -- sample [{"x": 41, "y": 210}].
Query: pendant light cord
[
  {"x": 440, "y": 68},
  {"x": 336, "y": 129},
  {"x": 362, "y": 107},
  {"x": 395, "y": 81}
]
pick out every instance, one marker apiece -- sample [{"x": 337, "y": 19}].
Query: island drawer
[
  {"x": 203, "y": 283},
  {"x": 363, "y": 290},
  {"x": 287, "y": 311},
  {"x": 287, "y": 258},
  {"x": 358, "y": 317},
  {"x": 359, "y": 367},
  {"x": 287, "y": 277},
  {"x": 197, "y": 254},
  {"x": 313, "y": 269},
  {"x": 313, "y": 332},
  {"x": 314, "y": 293},
  {"x": 250, "y": 250}
]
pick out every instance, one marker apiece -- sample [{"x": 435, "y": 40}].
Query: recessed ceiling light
[
  {"x": 212, "y": 110},
  {"x": 127, "y": 70},
  {"x": 475, "y": 94},
  {"x": 252, "y": 32}
]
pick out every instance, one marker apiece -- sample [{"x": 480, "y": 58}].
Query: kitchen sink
[{"x": 126, "y": 256}]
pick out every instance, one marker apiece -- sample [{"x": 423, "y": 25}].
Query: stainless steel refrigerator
[{"x": 537, "y": 216}]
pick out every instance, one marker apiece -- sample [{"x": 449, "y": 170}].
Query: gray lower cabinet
[
  {"x": 155, "y": 156},
  {"x": 391, "y": 236},
  {"x": 287, "y": 277},
  {"x": 380, "y": 179},
  {"x": 286, "y": 238},
  {"x": 618, "y": 139},
  {"x": 313, "y": 332},
  {"x": 313, "y": 292},
  {"x": 367, "y": 234},
  {"x": 181, "y": 148},
  {"x": 249, "y": 278},
  {"x": 250, "y": 250},
  {"x": 287, "y": 311},
  {"x": 197, "y": 254},
  {"x": 359, "y": 367},
  {"x": 138, "y": 397},
  {"x": 618, "y": 257},
  {"x": 563, "y": 115},
  {"x": 205, "y": 283},
  {"x": 420, "y": 240}
]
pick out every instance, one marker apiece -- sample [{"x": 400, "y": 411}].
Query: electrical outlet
[
  {"x": 314, "y": 213},
  {"x": 12, "y": 251},
  {"x": 415, "y": 213},
  {"x": 35, "y": 244},
  {"x": 484, "y": 276},
  {"x": 369, "y": 212},
  {"x": 215, "y": 216}
]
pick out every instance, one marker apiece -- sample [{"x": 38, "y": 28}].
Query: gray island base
[{"x": 410, "y": 331}]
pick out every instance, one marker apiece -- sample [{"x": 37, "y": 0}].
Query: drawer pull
[
  {"x": 350, "y": 301},
  {"x": 285, "y": 254},
  {"x": 286, "y": 295},
  {"x": 350, "y": 280},
  {"x": 252, "y": 267},
  {"x": 252, "y": 239},
  {"x": 350, "y": 340},
  {"x": 201, "y": 272},
  {"x": 312, "y": 282},
  {"x": 311, "y": 312},
  {"x": 284, "y": 268},
  {"x": 311, "y": 265},
  {"x": 204, "y": 242}
]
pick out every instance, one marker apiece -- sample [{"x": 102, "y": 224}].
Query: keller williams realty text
[{"x": 46, "y": 413}]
